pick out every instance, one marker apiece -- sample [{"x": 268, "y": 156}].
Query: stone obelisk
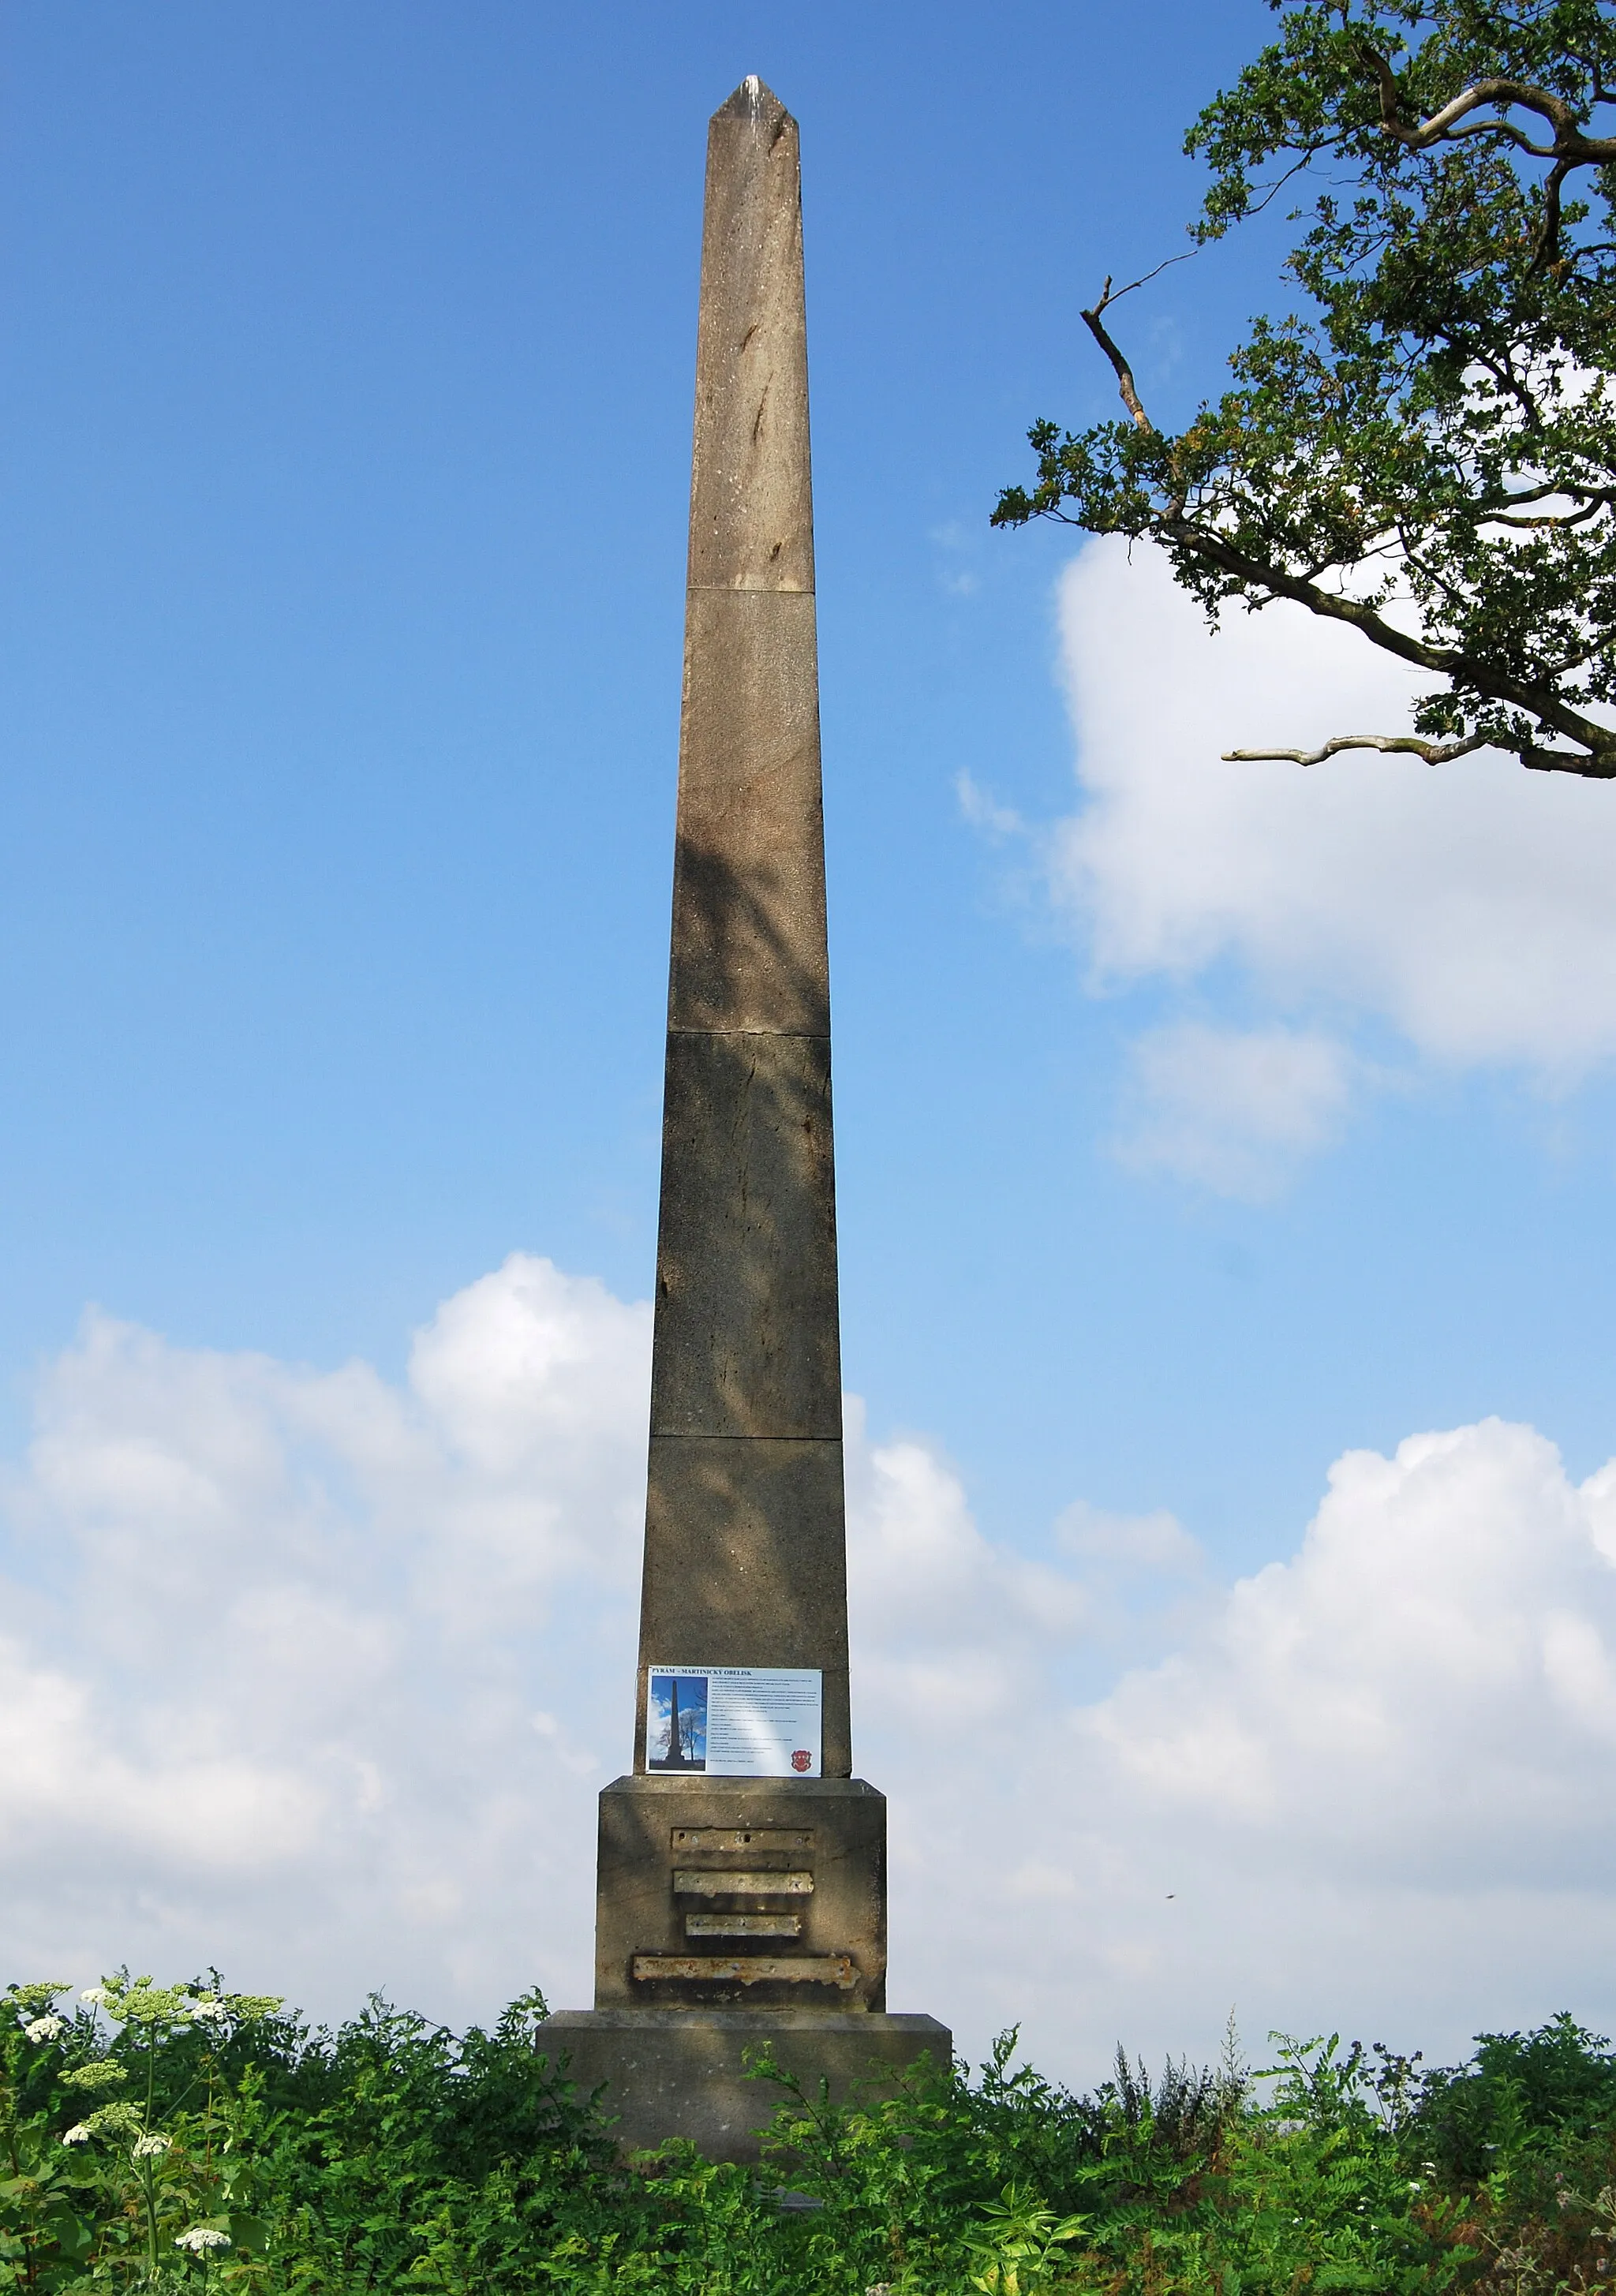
[{"x": 742, "y": 1890}]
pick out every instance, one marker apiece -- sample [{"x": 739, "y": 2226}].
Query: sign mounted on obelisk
[{"x": 742, "y": 1890}]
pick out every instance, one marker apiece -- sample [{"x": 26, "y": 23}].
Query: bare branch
[
  {"x": 1569, "y": 143},
  {"x": 1107, "y": 295},
  {"x": 1435, "y": 753},
  {"x": 1125, "y": 373}
]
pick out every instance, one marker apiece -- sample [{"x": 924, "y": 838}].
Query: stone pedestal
[
  {"x": 755, "y": 1893},
  {"x": 733, "y": 1911},
  {"x": 682, "y": 2071}
]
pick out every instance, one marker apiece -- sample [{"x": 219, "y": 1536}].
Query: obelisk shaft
[
  {"x": 745, "y": 1552},
  {"x": 735, "y": 1908}
]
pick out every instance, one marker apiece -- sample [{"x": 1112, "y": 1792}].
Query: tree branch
[
  {"x": 1468, "y": 674},
  {"x": 1559, "y": 761},
  {"x": 1549, "y": 487},
  {"x": 1435, "y": 753},
  {"x": 1547, "y": 249},
  {"x": 1125, "y": 373},
  {"x": 1569, "y": 142},
  {"x": 1505, "y": 377},
  {"x": 1569, "y": 518}
]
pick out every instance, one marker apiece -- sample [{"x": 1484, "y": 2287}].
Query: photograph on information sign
[{"x": 676, "y": 1722}]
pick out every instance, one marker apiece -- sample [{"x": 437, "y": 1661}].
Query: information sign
[{"x": 734, "y": 1721}]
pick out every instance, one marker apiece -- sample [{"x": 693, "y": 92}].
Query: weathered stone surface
[
  {"x": 748, "y": 1339},
  {"x": 682, "y": 2071},
  {"x": 744, "y": 1523},
  {"x": 746, "y": 1565},
  {"x": 751, "y": 523},
  {"x": 748, "y": 944},
  {"x": 832, "y": 1830}
]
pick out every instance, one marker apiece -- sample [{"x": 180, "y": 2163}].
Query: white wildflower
[
  {"x": 43, "y": 2028},
  {"x": 80, "y": 2133},
  {"x": 200, "y": 2238},
  {"x": 146, "y": 2148},
  {"x": 96, "y": 1995},
  {"x": 208, "y": 2008}
]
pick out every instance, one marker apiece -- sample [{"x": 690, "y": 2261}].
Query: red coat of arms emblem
[{"x": 801, "y": 1758}]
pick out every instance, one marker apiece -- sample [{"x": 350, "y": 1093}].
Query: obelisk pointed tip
[{"x": 752, "y": 100}]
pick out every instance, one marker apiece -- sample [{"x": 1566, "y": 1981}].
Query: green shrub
[{"x": 189, "y": 2138}]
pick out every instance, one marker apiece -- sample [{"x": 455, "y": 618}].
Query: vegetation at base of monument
[
  {"x": 188, "y": 2138},
  {"x": 1427, "y": 454}
]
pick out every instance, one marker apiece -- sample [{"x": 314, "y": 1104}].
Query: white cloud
[
  {"x": 318, "y": 1676},
  {"x": 997, "y": 821},
  {"x": 1234, "y": 1109},
  {"x": 1156, "y": 1542},
  {"x": 317, "y": 1662},
  {"x": 1465, "y": 906},
  {"x": 1372, "y": 1785},
  {"x": 1409, "y": 1669},
  {"x": 939, "y": 1614}
]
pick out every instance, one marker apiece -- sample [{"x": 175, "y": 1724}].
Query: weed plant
[{"x": 192, "y": 2140}]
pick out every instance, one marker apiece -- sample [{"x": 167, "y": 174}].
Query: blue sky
[{"x": 347, "y": 379}]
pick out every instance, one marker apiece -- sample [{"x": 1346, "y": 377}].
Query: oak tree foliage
[{"x": 1425, "y": 449}]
